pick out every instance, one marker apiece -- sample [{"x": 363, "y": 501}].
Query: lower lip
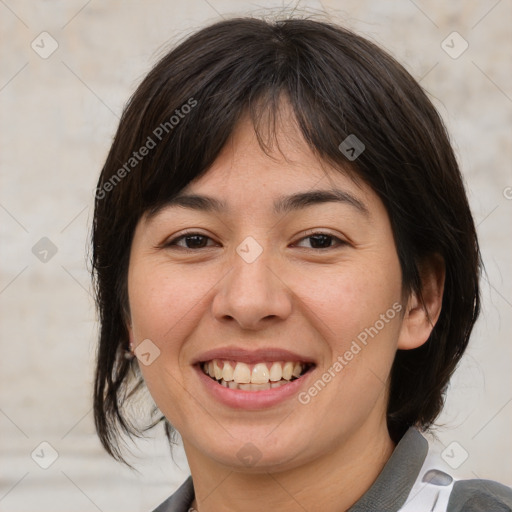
[{"x": 239, "y": 399}]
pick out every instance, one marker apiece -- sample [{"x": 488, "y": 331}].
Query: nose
[{"x": 252, "y": 294}]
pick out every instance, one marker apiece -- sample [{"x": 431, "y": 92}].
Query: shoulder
[
  {"x": 180, "y": 501},
  {"x": 480, "y": 496}
]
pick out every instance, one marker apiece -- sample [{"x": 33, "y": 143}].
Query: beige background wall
[{"x": 58, "y": 115}]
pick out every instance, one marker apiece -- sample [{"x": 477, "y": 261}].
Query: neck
[{"x": 332, "y": 482}]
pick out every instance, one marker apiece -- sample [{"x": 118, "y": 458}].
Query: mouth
[{"x": 255, "y": 377}]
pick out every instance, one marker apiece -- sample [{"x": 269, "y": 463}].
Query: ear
[{"x": 420, "y": 317}]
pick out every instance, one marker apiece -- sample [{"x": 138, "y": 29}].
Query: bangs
[{"x": 191, "y": 106}]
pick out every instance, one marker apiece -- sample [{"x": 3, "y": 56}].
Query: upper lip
[{"x": 251, "y": 356}]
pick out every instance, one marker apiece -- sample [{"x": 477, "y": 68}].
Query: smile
[{"x": 260, "y": 376}]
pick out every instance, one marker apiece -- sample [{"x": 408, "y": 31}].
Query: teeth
[
  {"x": 252, "y": 387},
  {"x": 287, "y": 371},
  {"x": 242, "y": 373},
  {"x": 217, "y": 370},
  {"x": 260, "y": 377},
  {"x": 276, "y": 372},
  {"x": 297, "y": 370},
  {"x": 260, "y": 374},
  {"x": 227, "y": 372}
]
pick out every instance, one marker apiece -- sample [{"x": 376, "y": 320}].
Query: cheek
[
  {"x": 357, "y": 314},
  {"x": 164, "y": 303},
  {"x": 164, "y": 306},
  {"x": 344, "y": 302}
]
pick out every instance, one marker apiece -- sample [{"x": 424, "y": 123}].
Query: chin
[{"x": 263, "y": 453}]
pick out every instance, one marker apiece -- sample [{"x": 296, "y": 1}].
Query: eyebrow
[{"x": 283, "y": 204}]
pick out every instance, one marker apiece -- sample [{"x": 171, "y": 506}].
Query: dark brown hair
[{"x": 338, "y": 84}]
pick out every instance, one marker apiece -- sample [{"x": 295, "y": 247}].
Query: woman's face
[{"x": 266, "y": 279}]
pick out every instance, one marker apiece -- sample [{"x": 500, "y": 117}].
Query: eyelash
[{"x": 173, "y": 243}]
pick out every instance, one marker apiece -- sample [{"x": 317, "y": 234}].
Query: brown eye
[
  {"x": 322, "y": 241},
  {"x": 190, "y": 241}
]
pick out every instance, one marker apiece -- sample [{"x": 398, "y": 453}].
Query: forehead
[
  {"x": 247, "y": 172},
  {"x": 270, "y": 169}
]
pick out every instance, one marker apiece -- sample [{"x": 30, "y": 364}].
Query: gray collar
[{"x": 395, "y": 481}]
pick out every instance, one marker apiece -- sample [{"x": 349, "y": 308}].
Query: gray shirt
[{"x": 392, "y": 487}]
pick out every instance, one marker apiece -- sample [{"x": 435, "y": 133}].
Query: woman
[{"x": 285, "y": 256}]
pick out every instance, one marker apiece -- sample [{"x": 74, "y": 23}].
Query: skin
[{"x": 314, "y": 301}]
